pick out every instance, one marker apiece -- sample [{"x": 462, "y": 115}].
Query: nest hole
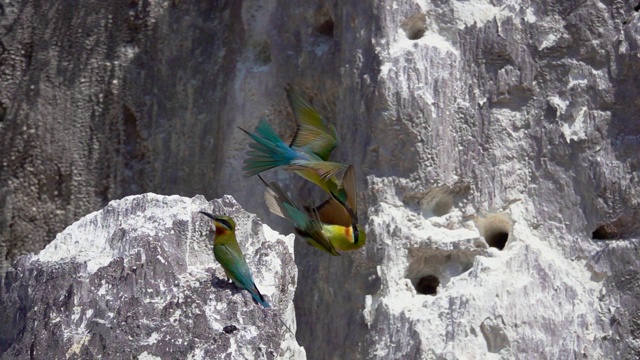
[
  {"x": 497, "y": 239},
  {"x": 415, "y": 26},
  {"x": 230, "y": 329},
  {"x": 495, "y": 229},
  {"x": 427, "y": 285},
  {"x": 626, "y": 226},
  {"x": 326, "y": 27},
  {"x": 436, "y": 201},
  {"x": 430, "y": 269},
  {"x": 3, "y": 112},
  {"x": 605, "y": 232}
]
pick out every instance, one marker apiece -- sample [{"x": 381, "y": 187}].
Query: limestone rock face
[
  {"x": 138, "y": 279},
  {"x": 495, "y": 142}
]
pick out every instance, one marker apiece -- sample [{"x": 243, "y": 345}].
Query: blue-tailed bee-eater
[
  {"x": 227, "y": 252},
  {"x": 311, "y": 226}
]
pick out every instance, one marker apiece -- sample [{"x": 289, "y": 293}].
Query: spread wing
[
  {"x": 332, "y": 212},
  {"x": 313, "y": 132},
  {"x": 275, "y": 198},
  {"x": 308, "y": 226},
  {"x": 325, "y": 169},
  {"x": 337, "y": 212},
  {"x": 349, "y": 185},
  {"x": 312, "y": 232}
]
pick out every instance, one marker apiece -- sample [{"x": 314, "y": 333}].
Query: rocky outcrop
[
  {"x": 495, "y": 145},
  {"x": 138, "y": 280}
]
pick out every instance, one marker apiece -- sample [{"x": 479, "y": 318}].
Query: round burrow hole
[
  {"x": 497, "y": 239},
  {"x": 604, "y": 232},
  {"x": 431, "y": 268},
  {"x": 415, "y": 26},
  {"x": 495, "y": 230},
  {"x": 437, "y": 200},
  {"x": 326, "y": 27},
  {"x": 427, "y": 285},
  {"x": 3, "y": 112}
]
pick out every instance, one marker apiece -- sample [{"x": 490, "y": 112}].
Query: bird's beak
[{"x": 212, "y": 217}]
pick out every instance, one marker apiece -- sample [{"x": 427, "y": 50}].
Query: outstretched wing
[
  {"x": 324, "y": 169},
  {"x": 312, "y": 232},
  {"x": 308, "y": 226},
  {"x": 275, "y": 197},
  {"x": 337, "y": 212},
  {"x": 313, "y": 132},
  {"x": 349, "y": 186},
  {"x": 332, "y": 212}
]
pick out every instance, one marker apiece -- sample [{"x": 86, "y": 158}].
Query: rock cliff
[
  {"x": 138, "y": 280},
  {"x": 496, "y": 146}
]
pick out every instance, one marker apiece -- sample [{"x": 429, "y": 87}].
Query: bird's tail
[
  {"x": 267, "y": 151},
  {"x": 262, "y": 301},
  {"x": 257, "y": 296}
]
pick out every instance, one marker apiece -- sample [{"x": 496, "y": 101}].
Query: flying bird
[
  {"x": 308, "y": 153},
  {"x": 310, "y": 225},
  {"x": 268, "y": 151}
]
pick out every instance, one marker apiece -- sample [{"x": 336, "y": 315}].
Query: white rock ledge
[{"x": 138, "y": 279}]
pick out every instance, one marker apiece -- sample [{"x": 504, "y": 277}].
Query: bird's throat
[{"x": 220, "y": 231}]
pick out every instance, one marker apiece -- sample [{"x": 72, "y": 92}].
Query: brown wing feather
[
  {"x": 349, "y": 185},
  {"x": 332, "y": 212}
]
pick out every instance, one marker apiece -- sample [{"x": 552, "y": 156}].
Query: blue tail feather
[
  {"x": 267, "y": 151},
  {"x": 258, "y": 297}
]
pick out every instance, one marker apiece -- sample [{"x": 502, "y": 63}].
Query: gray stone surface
[
  {"x": 138, "y": 280},
  {"x": 453, "y": 113}
]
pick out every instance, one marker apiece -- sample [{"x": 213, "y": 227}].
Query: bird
[
  {"x": 269, "y": 151},
  {"x": 308, "y": 224},
  {"x": 227, "y": 252},
  {"x": 308, "y": 153}
]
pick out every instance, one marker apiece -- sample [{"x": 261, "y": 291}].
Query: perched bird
[
  {"x": 324, "y": 236},
  {"x": 229, "y": 255}
]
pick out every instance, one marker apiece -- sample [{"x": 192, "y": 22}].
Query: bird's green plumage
[
  {"x": 298, "y": 217},
  {"x": 308, "y": 152},
  {"x": 228, "y": 253},
  {"x": 326, "y": 237},
  {"x": 313, "y": 133},
  {"x": 268, "y": 151}
]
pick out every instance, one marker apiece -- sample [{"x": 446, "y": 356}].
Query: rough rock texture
[
  {"x": 470, "y": 123},
  {"x": 138, "y": 280}
]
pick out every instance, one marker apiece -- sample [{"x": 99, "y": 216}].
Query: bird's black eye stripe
[
  {"x": 225, "y": 223},
  {"x": 356, "y": 235}
]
